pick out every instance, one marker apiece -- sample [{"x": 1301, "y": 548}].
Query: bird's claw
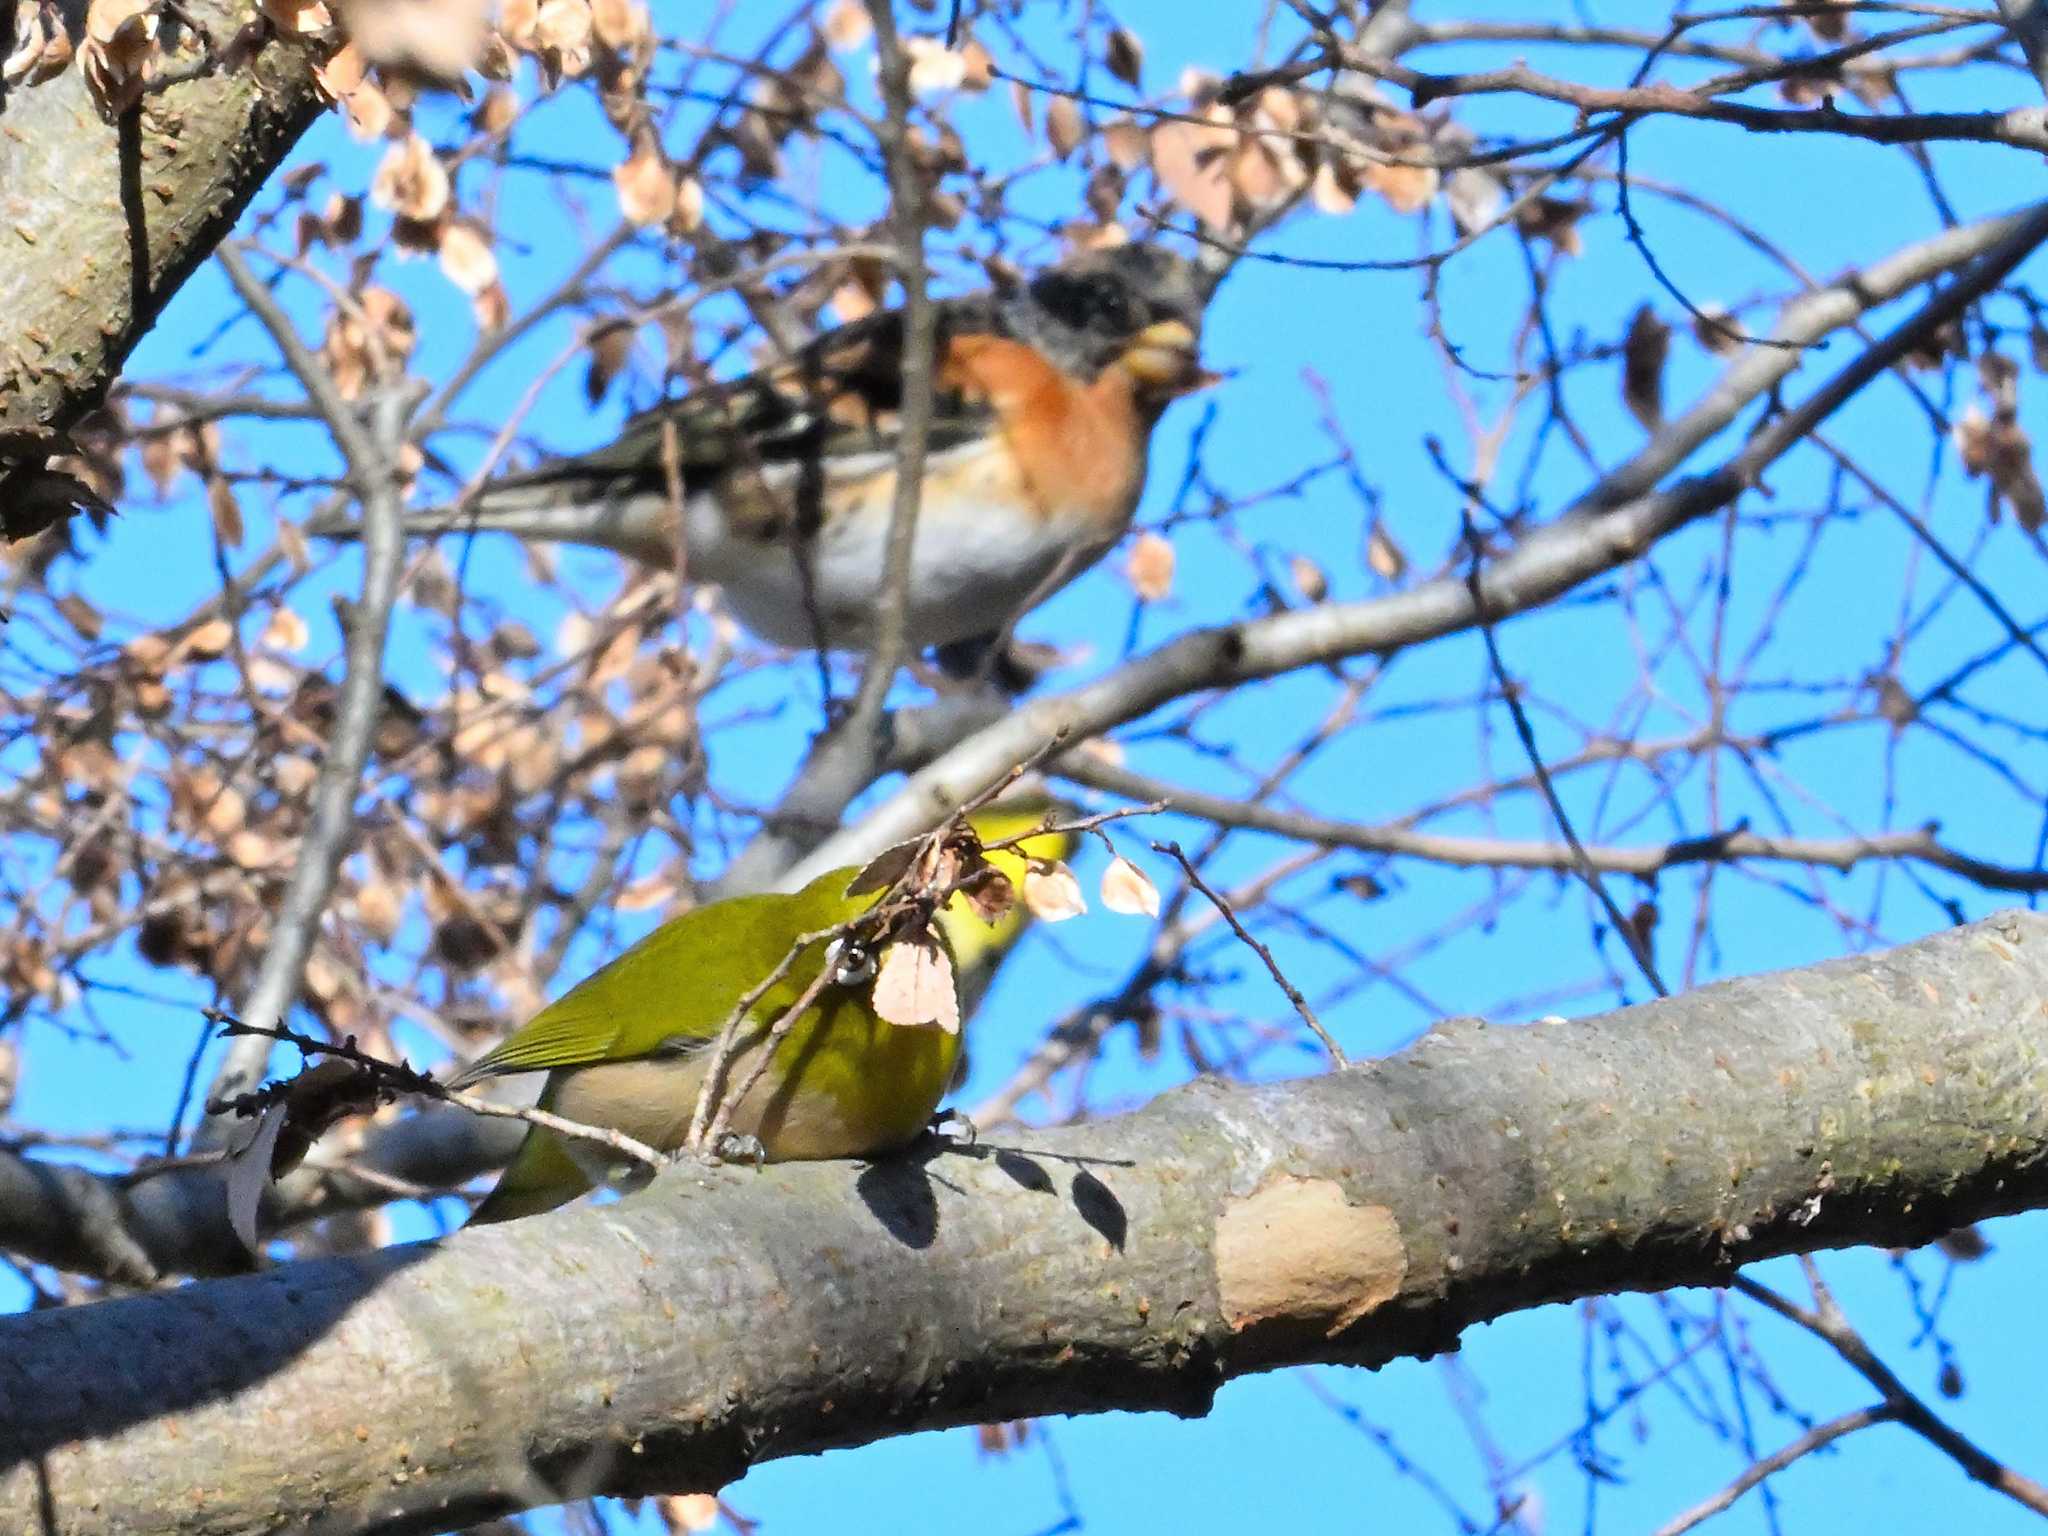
[
  {"x": 954, "y": 1128},
  {"x": 738, "y": 1147}
]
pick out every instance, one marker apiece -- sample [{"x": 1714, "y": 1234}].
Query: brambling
[{"x": 1046, "y": 395}]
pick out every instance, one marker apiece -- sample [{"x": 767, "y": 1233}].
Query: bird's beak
[{"x": 1164, "y": 358}]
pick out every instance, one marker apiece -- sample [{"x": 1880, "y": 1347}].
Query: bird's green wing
[{"x": 678, "y": 984}]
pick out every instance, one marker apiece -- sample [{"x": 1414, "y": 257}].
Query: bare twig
[
  {"x": 1308, "y": 1014},
  {"x": 1813, "y": 1440},
  {"x": 398, "y": 1077},
  {"x": 1637, "y": 942},
  {"x": 920, "y": 340},
  {"x": 371, "y": 454},
  {"x": 1825, "y": 1321}
]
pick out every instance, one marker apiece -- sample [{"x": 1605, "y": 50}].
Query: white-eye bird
[{"x": 628, "y": 1047}]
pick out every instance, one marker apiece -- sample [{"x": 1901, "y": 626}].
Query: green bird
[{"x": 628, "y": 1047}]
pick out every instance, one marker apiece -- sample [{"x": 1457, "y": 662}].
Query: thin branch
[
  {"x": 920, "y": 360},
  {"x": 1644, "y": 863},
  {"x": 1814, "y": 1439},
  {"x": 1308, "y": 1014},
  {"x": 1637, "y": 942},
  {"x": 1826, "y": 1322},
  {"x": 371, "y": 455}
]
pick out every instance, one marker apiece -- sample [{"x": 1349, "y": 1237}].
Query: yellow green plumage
[{"x": 627, "y": 1048}]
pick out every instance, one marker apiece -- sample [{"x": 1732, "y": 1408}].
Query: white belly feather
[{"x": 980, "y": 553}]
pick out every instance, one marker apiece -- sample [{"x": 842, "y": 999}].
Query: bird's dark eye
[{"x": 848, "y": 963}]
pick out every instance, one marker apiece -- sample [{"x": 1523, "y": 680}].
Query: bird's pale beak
[{"x": 1164, "y": 358}]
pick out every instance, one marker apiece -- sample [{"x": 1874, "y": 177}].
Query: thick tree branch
[
  {"x": 725, "y": 1317},
  {"x": 104, "y": 222}
]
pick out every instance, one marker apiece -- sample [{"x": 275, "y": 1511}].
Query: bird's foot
[
  {"x": 737, "y": 1147},
  {"x": 954, "y": 1129}
]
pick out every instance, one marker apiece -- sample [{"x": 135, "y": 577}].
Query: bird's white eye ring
[{"x": 848, "y": 963}]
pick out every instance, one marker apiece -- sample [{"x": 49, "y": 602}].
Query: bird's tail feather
[
  {"x": 547, "y": 511},
  {"x": 541, "y": 1176}
]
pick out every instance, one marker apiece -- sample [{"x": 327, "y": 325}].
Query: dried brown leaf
[
  {"x": 611, "y": 348},
  {"x": 1126, "y": 143},
  {"x": 1192, "y": 173},
  {"x": 1643, "y": 352},
  {"x": 225, "y": 510},
  {"x": 1124, "y": 56}
]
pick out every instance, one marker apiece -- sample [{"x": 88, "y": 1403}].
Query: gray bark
[
  {"x": 724, "y": 1317},
  {"x": 102, "y": 222}
]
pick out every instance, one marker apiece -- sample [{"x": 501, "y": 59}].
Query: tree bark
[
  {"x": 726, "y": 1316},
  {"x": 103, "y": 221}
]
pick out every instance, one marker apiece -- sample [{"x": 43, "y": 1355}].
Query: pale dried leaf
[
  {"x": 411, "y": 181},
  {"x": 1150, "y": 566},
  {"x": 934, "y": 68},
  {"x": 563, "y": 26},
  {"x": 688, "y": 217},
  {"x": 1025, "y": 106},
  {"x": 980, "y": 67},
  {"x": 1127, "y": 143},
  {"x": 285, "y": 631},
  {"x": 914, "y": 986},
  {"x": 1308, "y": 578},
  {"x": 434, "y": 39},
  {"x": 1476, "y": 199},
  {"x": 379, "y": 908},
  {"x": 621, "y": 25},
  {"x": 689, "y": 1513},
  {"x": 847, "y": 25},
  {"x": 646, "y": 184},
  {"x": 1407, "y": 188},
  {"x": 1192, "y": 174},
  {"x": 1330, "y": 192},
  {"x": 467, "y": 257},
  {"x": 209, "y": 640},
  {"x": 1126, "y": 889},
  {"x": 1052, "y": 894},
  {"x": 1064, "y": 128},
  {"x": 1387, "y": 559},
  {"x": 120, "y": 51}
]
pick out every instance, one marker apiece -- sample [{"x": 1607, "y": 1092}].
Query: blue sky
[{"x": 1275, "y": 1450}]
